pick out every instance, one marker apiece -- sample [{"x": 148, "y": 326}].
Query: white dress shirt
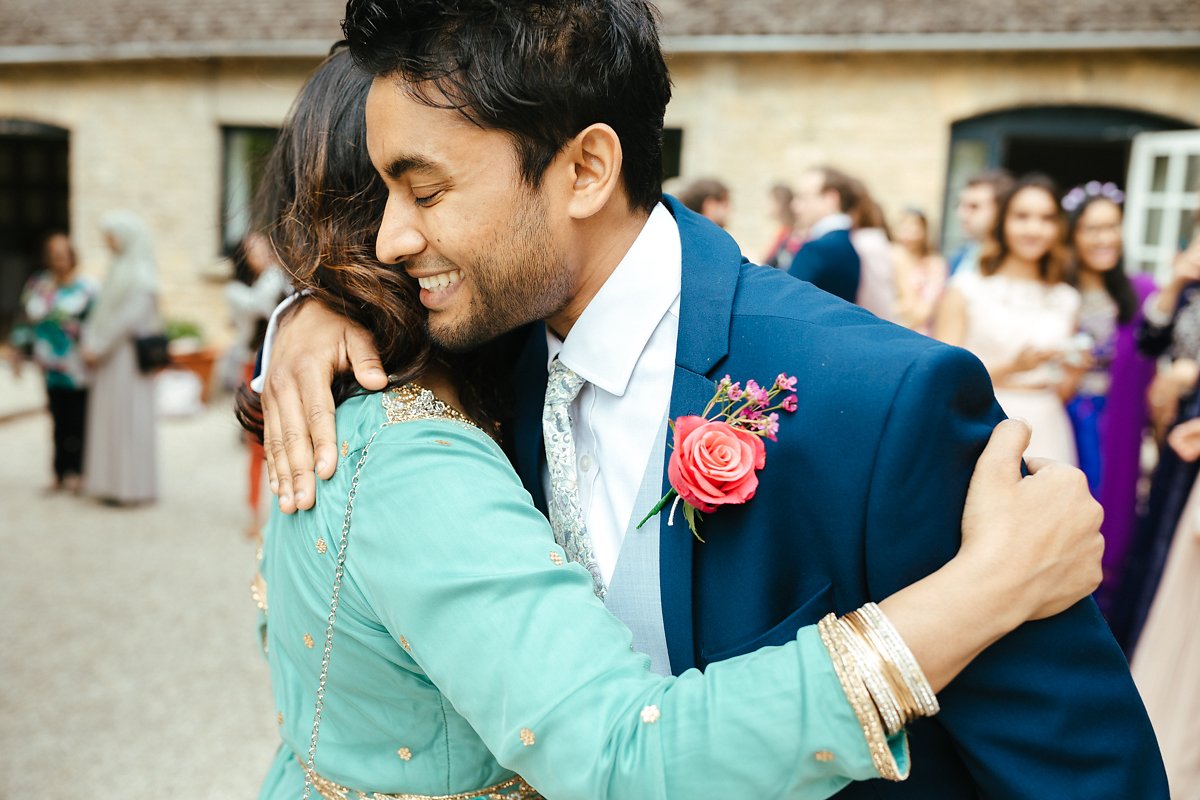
[{"x": 623, "y": 345}]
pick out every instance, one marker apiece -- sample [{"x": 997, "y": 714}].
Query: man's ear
[{"x": 593, "y": 162}]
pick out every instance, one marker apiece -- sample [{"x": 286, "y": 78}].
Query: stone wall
[
  {"x": 752, "y": 120},
  {"x": 147, "y": 136}
]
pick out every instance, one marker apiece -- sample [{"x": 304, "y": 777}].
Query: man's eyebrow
[{"x": 402, "y": 164}]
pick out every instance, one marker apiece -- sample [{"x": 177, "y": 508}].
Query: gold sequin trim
[
  {"x": 308, "y": 641},
  {"x": 404, "y": 644},
  {"x": 258, "y": 592},
  {"x": 279, "y": 718},
  {"x": 345, "y": 448},
  {"x": 514, "y": 788},
  {"x": 411, "y": 402},
  {"x": 824, "y": 756},
  {"x": 527, "y": 737},
  {"x": 556, "y": 559},
  {"x": 405, "y": 754},
  {"x": 322, "y": 546},
  {"x": 442, "y": 442}
]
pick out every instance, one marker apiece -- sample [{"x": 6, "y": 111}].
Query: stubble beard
[{"x": 521, "y": 279}]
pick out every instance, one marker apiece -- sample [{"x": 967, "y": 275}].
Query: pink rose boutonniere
[{"x": 716, "y": 456}]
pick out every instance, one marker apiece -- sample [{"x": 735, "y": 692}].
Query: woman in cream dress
[
  {"x": 121, "y": 455},
  {"x": 1019, "y": 317}
]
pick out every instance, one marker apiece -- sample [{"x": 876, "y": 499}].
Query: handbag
[{"x": 152, "y": 352}]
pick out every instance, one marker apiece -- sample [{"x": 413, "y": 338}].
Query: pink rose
[{"x": 714, "y": 463}]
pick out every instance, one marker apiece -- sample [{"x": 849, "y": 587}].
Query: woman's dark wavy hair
[
  {"x": 1116, "y": 281},
  {"x": 539, "y": 70},
  {"x": 320, "y": 203},
  {"x": 1053, "y": 265}
]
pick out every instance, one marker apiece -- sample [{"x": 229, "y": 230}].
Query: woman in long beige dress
[
  {"x": 121, "y": 455},
  {"x": 1166, "y": 662}
]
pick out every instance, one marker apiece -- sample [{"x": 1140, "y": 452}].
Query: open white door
[{"x": 1161, "y": 199}]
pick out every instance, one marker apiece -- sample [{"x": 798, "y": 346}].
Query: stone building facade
[{"x": 146, "y": 98}]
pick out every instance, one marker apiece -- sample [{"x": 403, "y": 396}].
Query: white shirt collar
[
  {"x": 607, "y": 340},
  {"x": 834, "y": 222}
]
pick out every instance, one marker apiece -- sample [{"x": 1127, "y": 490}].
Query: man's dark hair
[
  {"x": 848, "y": 188},
  {"x": 1000, "y": 181},
  {"x": 696, "y": 192},
  {"x": 539, "y": 70}
]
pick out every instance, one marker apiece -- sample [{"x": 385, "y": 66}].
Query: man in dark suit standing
[{"x": 823, "y": 201}]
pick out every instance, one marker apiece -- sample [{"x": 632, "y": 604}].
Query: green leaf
[
  {"x": 693, "y": 517},
  {"x": 659, "y": 506}
]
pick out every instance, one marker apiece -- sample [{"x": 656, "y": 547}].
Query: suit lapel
[{"x": 710, "y": 275}]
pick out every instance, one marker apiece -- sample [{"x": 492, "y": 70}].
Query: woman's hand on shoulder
[
  {"x": 311, "y": 345},
  {"x": 1036, "y": 538}
]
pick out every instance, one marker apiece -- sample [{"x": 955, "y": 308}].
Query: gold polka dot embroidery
[
  {"x": 442, "y": 442},
  {"x": 651, "y": 715},
  {"x": 527, "y": 737},
  {"x": 321, "y": 546},
  {"x": 308, "y": 641},
  {"x": 345, "y": 448},
  {"x": 824, "y": 756},
  {"x": 404, "y": 644},
  {"x": 556, "y": 559},
  {"x": 405, "y": 754},
  {"x": 279, "y": 718}
]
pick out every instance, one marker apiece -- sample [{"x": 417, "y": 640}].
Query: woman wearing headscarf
[{"x": 121, "y": 460}]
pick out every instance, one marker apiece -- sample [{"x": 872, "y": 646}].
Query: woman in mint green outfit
[{"x": 427, "y": 637}]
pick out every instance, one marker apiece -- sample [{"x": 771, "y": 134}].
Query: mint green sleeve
[{"x": 452, "y": 555}]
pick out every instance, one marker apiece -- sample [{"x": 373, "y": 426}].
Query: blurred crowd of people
[
  {"x": 99, "y": 349},
  {"x": 1101, "y": 363}
]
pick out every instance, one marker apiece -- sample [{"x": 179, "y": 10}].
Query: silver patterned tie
[{"x": 566, "y": 514}]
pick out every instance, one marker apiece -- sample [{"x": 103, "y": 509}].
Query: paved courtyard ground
[{"x": 129, "y": 666}]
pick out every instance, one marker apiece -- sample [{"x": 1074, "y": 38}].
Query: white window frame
[{"x": 1172, "y": 200}]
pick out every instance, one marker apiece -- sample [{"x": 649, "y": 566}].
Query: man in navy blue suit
[
  {"x": 560, "y": 222},
  {"x": 827, "y": 259}
]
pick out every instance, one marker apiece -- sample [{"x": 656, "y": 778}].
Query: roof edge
[
  {"x": 151, "y": 51},
  {"x": 932, "y": 42},
  {"x": 723, "y": 43}
]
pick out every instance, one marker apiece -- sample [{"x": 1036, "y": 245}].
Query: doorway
[
  {"x": 1071, "y": 144},
  {"x": 34, "y": 199}
]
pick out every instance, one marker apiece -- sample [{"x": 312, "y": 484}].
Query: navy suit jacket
[
  {"x": 861, "y": 496},
  {"x": 830, "y": 263}
]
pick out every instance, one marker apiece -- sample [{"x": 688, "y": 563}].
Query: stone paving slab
[{"x": 127, "y": 647}]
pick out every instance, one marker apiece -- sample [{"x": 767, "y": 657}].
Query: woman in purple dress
[{"x": 1108, "y": 412}]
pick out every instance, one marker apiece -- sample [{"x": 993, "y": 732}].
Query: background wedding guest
[
  {"x": 919, "y": 271},
  {"x": 788, "y": 237},
  {"x": 1167, "y": 659},
  {"x": 1019, "y": 316},
  {"x": 709, "y": 198},
  {"x": 121, "y": 459},
  {"x": 1108, "y": 412},
  {"x": 871, "y": 240},
  {"x": 258, "y": 285},
  {"x": 53, "y": 306},
  {"x": 824, "y": 199},
  {"x": 976, "y": 211},
  {"x": 1170, "y": 329}
]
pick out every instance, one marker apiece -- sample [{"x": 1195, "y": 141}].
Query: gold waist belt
[{"x": 514, "y": 788}]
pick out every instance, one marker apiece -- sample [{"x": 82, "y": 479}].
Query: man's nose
[{"x": 400, "y": 235}]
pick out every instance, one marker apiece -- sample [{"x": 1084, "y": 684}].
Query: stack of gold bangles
[{"x": 881, "y": 678}]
